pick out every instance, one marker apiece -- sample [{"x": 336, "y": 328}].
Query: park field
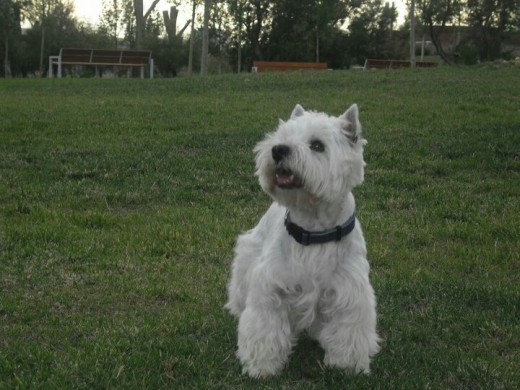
[{"x": 120, "y": 200}]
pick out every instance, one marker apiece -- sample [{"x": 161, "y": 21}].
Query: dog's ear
[
  {"x": 351, "y": 126},
  {"x": 297, "y": 111}
]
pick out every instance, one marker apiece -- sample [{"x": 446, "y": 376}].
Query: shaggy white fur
[{"x": 280, "y": 287}]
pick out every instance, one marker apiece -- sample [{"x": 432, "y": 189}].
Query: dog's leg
[
  {"x": 349, "y": 333},
  {"x": 246, "y": 253},
  {"x": 264, "y": 340}
]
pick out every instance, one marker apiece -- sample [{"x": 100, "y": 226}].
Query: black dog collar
[{"x": 306, "y": 237}]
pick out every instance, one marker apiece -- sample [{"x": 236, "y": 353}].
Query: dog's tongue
[{"x": 284, "y": 180}]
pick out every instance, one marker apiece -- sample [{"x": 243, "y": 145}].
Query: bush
[{"x": 468, "y": 55}]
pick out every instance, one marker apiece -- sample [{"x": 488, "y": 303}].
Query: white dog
[{"x": 304, "y": 266}]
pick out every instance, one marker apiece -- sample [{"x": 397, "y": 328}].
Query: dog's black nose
[{"x": 280, "y": 152}]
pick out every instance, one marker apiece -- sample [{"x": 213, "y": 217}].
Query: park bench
[
  {"x": 395, "y": 64},
  {"x": 102, "y": 57},
  {"x": 262, "y": 66}
]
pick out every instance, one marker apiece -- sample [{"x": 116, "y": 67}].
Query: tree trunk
[
  {"x": 170, "y": 23},
  {"x": 7, "y": 65},
  {"x": 438, "y": 46},
  {"x": 317, "y": 44},
  {"x": 239, "y": 46},
  {"x": 435, "y": 32},
  {"x": 412, "y": 34},
  {"x": 42, "y": 49},
  {"x": 423, "y": 43},
  {"x": 140, "y": 20},
  {"x": 139, "y": 23},
  {"x": 256, "y": 30},
  {"x": 192, "y": 38},
  {"x": 205, "y": 39},
  {"x": 220, "y": 46},
  {"x": 239, "y": 34},
  {"x": 147, "y": 14}
]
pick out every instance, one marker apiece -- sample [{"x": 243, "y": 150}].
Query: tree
[
  {"x": 361, "y": 32},
  {"x": 112, "y": 18},
  {"x": 258, "y": 13},
  {"x": 205, "y": 39},
  {"x": 302, "y": 30},
  {"x": 338, "y": 32},
  {"x": 140, "y": 20},
  {"x": 385, "y": 39},
  {"x": 291, "y": 36},
  {"x": 10, "y": 18},
  {"x": 52, "y": 18},
  {"x": 325, "y": 16},
  {"x": 489, "y": 20},
  {"x": 170, "y": 24},
  {"x": 219, "y": 28},
  {"x": 236, "y": 9},
  {"x": 194, "y": 4},
  {"x": 436, "y": 15},
  {"x": 128, "y": 16},
  {"x": 371, "y": 33}
]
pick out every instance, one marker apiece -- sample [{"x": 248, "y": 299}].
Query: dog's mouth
[{"x": 286, "y": 179}]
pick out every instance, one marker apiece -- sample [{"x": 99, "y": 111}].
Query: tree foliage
[
  {"x": 10, "y": 19},
  {"x": 436, "y": 15},
  {"x": 489, "y": 21},
  {"x": 116, "y": 20},
  {"x": 339, "y": 32},
  {"x": 54, "y": 24},
  {"x": 486, "y": 23}
]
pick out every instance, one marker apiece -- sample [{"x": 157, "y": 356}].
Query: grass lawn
[{"x": 120, "y": 201}]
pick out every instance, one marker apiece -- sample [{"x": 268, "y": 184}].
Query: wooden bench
[
  {"x": 395, "y": 64},
  {"x": 102, "y": 57},
  {"x": 263, "y": 66}
]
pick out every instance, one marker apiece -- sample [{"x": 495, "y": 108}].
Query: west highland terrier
[{"x": 304, "y": 266}]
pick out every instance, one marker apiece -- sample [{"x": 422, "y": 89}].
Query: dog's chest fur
[{"x": 307, "y": 292}]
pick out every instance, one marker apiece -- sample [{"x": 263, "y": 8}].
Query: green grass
[{"x": 120, "y": 201}]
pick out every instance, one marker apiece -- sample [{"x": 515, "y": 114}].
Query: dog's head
[{"x": 312, "y": 157}]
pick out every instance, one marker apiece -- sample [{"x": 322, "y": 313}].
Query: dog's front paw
[
  {"x": 264, "y": 341},
  {"x": 260, "y": 360},
  {"x": 347, "y": 363},
  {"x": 261, "y": 370}
]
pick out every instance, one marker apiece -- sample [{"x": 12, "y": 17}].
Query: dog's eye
[{"x": 317, "y": 146}]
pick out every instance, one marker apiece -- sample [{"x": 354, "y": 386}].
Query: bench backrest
[
  {"x": 104, "y": 56},
  {"x": 281, "y": 66}
]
